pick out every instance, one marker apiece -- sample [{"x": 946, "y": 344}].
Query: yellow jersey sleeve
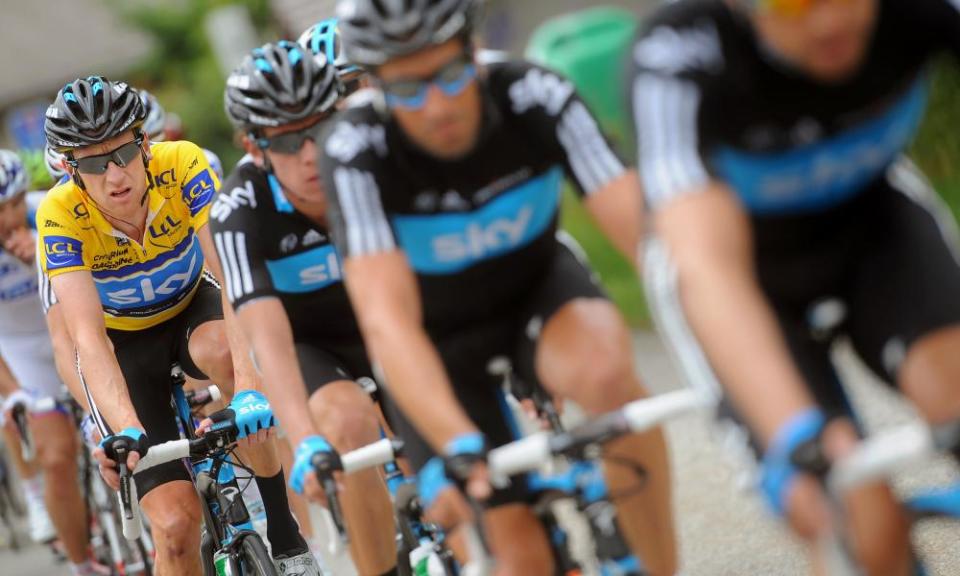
[
  {"x": 200, "y": 183},
  {"x": 60, "y": 241}
]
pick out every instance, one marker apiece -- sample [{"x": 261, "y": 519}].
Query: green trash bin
[{"x": 589, "y": 48}]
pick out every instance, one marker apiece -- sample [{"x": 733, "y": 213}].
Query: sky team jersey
[
  {"x": 479, "y": 230},
  {"x": 140, "y": 285},
  {"x": 711, "y": 103},
  {"x": 269, "y": 250}
]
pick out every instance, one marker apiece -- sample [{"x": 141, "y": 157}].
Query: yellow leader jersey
[{"x": 140, "y": 285}]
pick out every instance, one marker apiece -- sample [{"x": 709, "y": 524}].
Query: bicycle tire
[{"x": 253, "y": 558}]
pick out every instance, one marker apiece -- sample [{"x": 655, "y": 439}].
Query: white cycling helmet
[
  {"x": 13, "y": 176},
  {"x": 156, "y": 117},
  {"x": 53, "y": 160}
]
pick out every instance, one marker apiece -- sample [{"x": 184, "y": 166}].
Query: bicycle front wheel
[{"x": 253, "y": 559}]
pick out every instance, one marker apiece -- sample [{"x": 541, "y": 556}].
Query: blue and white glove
[
  {"x": 132, "y": 439},
  {"x": 453, "y": 469},
  {"x": 249, "y": 411},
  {"x": 779, "y": 471},
  {"x": 303, "y": 460}
]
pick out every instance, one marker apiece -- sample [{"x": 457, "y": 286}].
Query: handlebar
[
  {"x": 325, "y": 464},
  {"x": 536, "y": 450},
  {"x": 214, "y": 440},
  {"x": 19, "y": 416},
  {"x": 202, "y": 397}
]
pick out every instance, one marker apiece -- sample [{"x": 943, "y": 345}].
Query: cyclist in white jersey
[{"x": 26, "y": 347}]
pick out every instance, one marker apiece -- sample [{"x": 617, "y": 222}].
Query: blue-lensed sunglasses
[{"x": 451, "y": 79}]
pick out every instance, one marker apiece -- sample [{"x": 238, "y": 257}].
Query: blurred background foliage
[{"x": 182, "y": 72}]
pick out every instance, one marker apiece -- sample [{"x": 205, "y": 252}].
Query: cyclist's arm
[
  {"x": 83, "y": 314},
  {"x": 244, "y": 372},
  {"x": 708, "y": 237},
  {"x": 265, "y": 322},
  {"x": 618, "y": 210},
  {"x": 386, "y": 299},
  {"x": 64, "y": 355}
]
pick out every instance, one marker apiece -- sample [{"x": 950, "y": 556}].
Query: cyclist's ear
[{"x": 248, "y": 141}]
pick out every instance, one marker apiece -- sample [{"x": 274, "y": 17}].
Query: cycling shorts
[
  {"x": 323, "y": 363},
  {"x": 512, "y": 335},
  {"x": 145, "y": 358}
]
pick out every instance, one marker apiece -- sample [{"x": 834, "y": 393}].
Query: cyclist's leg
[
  {"x": 578, "y": 346},
  {"x": 298, "y": 504},
  {"x": 518, "y": 541},
  {"x": 907, "y": 326},
  {"x": 204, "y": 351},
  {"x": 167, "y": 496},
  {"x": 346, "y": 416},
  {"x": 31, "y": 358}
]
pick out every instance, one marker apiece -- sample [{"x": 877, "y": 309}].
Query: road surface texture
[{"x": 724, "y": 529}]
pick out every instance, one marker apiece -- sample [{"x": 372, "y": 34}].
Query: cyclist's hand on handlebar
[
  {"x": 465, "y": 463},
  {"x": 17, "y": 398},
  {"x": 303, "y": 477},
  {"x": 131, "y": 441},
  {"x": 250, "y": 412}
]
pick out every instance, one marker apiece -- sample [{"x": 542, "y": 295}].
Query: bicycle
[
  {"x": 103, "y": 515},
  {"x": 878, "y": 458},
  {"x": 10, "y": 505},
  {"x": 229, "y": 544},
  {"x": 580, "y": 480}
]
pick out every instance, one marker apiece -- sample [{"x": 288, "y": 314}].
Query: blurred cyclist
[
  {"x": 283, "y": 277},
  {"x": 444, "y": 192},
  {"x": 25, "y": 345},
  {"x": 771, "y": 139}
]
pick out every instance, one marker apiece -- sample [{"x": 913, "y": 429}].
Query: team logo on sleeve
[
  {"x": 62, "y": 252},
  {"x": 199, "y": 191}
]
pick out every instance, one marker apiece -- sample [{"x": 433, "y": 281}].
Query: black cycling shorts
[
  {"x": 512, "y": 335},
  {"x": 145, "y": 358},
  {"x": 888, "y": 258},
  {"x": 323, "y": 363}
]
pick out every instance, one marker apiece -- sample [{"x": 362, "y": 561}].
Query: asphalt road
[{"x": 724, "y": 529}]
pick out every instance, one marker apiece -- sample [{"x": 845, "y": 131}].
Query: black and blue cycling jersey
[
  {"x": 839, "y": 219},
  {"x": 269, "y": 249},
  {"x": 479, "y": 231},
  {"x": 711, "y": 101}
]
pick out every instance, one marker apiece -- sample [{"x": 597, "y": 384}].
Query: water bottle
[
  {"x": 425, "y": 561},
  {"x": 221, "y": 562}
]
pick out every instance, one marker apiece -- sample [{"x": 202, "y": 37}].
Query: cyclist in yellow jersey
[{"x": 123, "y": 245}]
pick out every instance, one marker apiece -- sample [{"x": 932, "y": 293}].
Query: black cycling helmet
[
  {"x": 90, "y": 111},
  {"x": 374, "y": 31},
  {"x": 278, "y": 84}
]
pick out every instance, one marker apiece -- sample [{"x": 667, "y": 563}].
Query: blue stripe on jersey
[
  {"x": 447, "y": 243},
  {"x": 306, "y": 272},
  {"x": 188, "y": 243},
  {"x": 155, "y": 286},
  {"x": 828, "y": 172}
]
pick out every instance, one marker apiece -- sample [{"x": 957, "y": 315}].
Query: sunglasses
[
  {"x": 792, "y": 8},
  {"x": 291, "y": 142},
  {"x": 121, "y": 156},
  {"x": 452, "y": 79}
]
